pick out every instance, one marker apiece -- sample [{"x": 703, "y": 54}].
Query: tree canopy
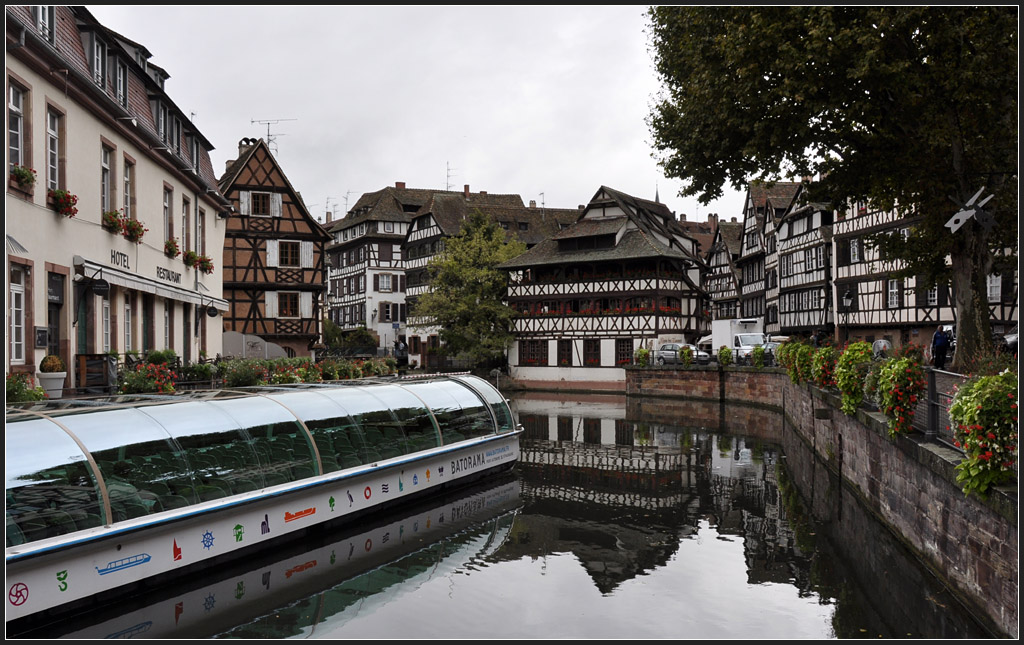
[
  {"x": 911, "y": 108},
  {"x": 466, "y": 296}
]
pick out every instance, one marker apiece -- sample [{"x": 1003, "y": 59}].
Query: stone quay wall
[{"x": 908, "y": 484}]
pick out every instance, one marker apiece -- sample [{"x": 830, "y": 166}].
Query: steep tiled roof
[
  {"x": 634, "y": 244},
  {"x": 596, "y": 226},
  {"x": 780, "y": 193},
  {"x": 732, "y": 236}
]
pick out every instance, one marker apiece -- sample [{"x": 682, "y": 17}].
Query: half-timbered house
[
  {"x": 109, "y": 183},
  {"x": 803, "y": 245},
  {"x": 367, "y": 274},
  {"x": 764, "y": 202},
  {"x": 273, "y": 255},
  {"x": 884, "y": 306},
  {"x": 722, "y": 281},
  {"x": 624, "y": 276}
]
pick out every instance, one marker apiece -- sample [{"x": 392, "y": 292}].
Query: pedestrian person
[{"x": 940, "y": 343}]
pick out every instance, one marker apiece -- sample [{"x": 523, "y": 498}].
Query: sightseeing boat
[{"x": 110, "y": 496}]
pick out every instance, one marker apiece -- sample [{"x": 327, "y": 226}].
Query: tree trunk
[{"x": 971, "y": 266}]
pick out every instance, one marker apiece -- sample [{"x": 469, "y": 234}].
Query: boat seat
[
  {"x": 302, "y": 471},
  {"x": 14, "y": 534},
  {"x": 173, "y": 501},
  {"x": 207, "y": 492}
]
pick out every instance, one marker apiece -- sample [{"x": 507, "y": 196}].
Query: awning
[
  {"x": 14, "y": 246},
  {"x": 89, "y": 270}
]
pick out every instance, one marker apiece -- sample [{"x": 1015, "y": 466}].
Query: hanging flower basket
[
  {"x": 24, "y": 177},
  {"x": 133, "y": 230},
  {"x": 64, "y": 203},
  {"x": 190, "y": 258},
  {"x": 111, "y": 221},
  {"x": 171, "y": 248}
]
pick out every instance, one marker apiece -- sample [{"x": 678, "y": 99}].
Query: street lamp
[{"x": 847, "y": 303}]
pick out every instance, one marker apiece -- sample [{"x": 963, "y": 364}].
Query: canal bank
[{"x": 907, "y": 484}]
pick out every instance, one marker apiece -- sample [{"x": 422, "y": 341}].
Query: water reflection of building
[{"x": 669, "y": 479}]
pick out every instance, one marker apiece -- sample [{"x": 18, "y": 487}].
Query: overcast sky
[{"x": 545, "y": 102}]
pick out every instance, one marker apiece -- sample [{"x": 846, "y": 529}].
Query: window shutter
[
  {"x": 401, "y": 312},
  {"x": 401, "y": 283},
  {"x": 306, "y": 254},
  {"x": 272, "y": 255},
  {"x": 270, "y": 300},
  {"x": 1008, "y": 287},
  {"x": 380, "y": 311},
  {"x": 844, "y": 252},
  {"x": 275, "y": 205},
  {"x": 243, "y": 202},
  {"x": 943, "y": 295},
  {"x": 376, "y": 282},
  {"x": 306, "y": 304},
  {"x": 920, "y": 292},
  {"x": 900, "y": 287}
]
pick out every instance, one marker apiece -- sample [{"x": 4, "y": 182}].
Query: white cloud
[{"x": 525, "y": 100}]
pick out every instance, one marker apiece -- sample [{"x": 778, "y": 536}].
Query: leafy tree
[
  {"x": 911, "y": 107},
  {"x": 466, "y": 296},
  {"x": 333, "y": 335}
]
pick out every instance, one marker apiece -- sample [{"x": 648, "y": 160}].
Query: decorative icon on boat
[
  {"x": 124, "y": 563},
  {"x": 288, "y": 517}
]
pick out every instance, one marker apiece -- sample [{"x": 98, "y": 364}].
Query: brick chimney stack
[
  {"x": 400, "y": 184},
  {"x": 533, "y": 203},
  {"x": 465, "y": 191},
  {"x": 329, "y": 215}
]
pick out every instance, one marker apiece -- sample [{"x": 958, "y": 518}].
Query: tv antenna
[
  {"x": 271, "y": 139},
  {"x": 448, "y": 175}
]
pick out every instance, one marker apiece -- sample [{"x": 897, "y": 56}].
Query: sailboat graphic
[{"x": 124, "y": 563}]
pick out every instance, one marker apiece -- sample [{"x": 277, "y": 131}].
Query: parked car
[{"x": 668, "y": 354}]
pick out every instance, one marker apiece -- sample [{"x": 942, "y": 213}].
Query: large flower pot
[{"x": 53, "y": 383}]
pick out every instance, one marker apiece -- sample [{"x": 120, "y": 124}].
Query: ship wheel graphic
[{"x": 18, "y": 594}]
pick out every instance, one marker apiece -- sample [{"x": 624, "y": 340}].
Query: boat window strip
[
  {"x": 302, "y": 424},
  {"x": 104, "y": 494},
  {"x": 433, "y": 419},
  {"x": 483, "y": 399}
]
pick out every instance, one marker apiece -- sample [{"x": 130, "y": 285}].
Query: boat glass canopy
[{"x": 71, "y": 466}]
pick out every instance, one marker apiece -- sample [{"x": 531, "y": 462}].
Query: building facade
[
  {"x": 764, "y": 204},
  {"x": 110, "y": 184},
  {"x": 624, "y": 276},
  {"x": 722, "y": 280},
  {"x": 274, "y": 255}
]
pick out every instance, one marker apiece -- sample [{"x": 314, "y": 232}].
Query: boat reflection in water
[{"x": 312, "y": 591}]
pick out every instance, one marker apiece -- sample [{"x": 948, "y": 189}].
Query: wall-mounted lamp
[{"x": 134, "y": 121}]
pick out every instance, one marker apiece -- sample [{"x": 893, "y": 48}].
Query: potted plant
[
  {"x": 133, "y": 229},
  {"x": 24, "y": 177},
  {"x": 111, "y": 221},
  {"x": 171, "y": 248},
  {"x": 191, "y": 258},
  {"x": 51, "y": 375},
  {"x": 64, "y": 203}
]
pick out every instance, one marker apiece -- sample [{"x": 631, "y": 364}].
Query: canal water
[{"x": 625, "y": 519}]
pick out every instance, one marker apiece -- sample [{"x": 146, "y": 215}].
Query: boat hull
[{"x": 49, "y": 578}]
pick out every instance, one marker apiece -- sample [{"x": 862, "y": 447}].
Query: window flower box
[
  {"x": 191, "y": 258},
  {"x": 204, "y": 264},
  {"x": 133, "y": 229},
  {"x": 63, "y": 202},
  {"x": 111, "y": 221},
  {"x": 23, "y": 177},
  {"x": 171, "y": 248}
]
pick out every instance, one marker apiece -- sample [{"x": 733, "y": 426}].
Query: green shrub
[
  {"x": 643, "y": 356},
  {"x": 874, "y": 368},
  {"x": 147, "y": 378},
  {"x": 900, "y": 383},
  {"x": 851, "y": 369},
  {"x": 244, "y": 372},
  {"x": 197, "y": 372},
  {"x": 724, "y": 356},
  {"x": 984, "y": 414},
  {"x": 161, "y": 356},
  {"x": 19, "y": 389},
  {"x": 686, "y": 355},
  {"x": 757, "y": 357},
  {"x": 823, "y": 366}
]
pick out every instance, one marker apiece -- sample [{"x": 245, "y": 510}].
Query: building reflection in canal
[{"x": 624, "y": 519}]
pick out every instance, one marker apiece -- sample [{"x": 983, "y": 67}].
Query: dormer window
[
  {"x": 44, "y": 17},
  {"x": 99, "y": 61},
  {"x": 121, "y": 84}
]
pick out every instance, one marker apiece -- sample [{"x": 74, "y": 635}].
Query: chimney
[
  {"x": 228, "y": 163},
  {"x": 465, "y": 191},
  {"x": 713, "y": 219},
  {"x": 682, "y": 217},
  {"x": 400, "y": 184},
  {"x": 533, "y": 203},
  {"x": 483, "y": 192},
  {"x": 329, "y": 217},
  {"x": 733, "y": 220}
]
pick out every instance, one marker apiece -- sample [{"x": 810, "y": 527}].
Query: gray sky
[{"x": 546, "y": 102}]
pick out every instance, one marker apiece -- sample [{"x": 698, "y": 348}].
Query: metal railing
[{"x": 932, "y": 414}]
